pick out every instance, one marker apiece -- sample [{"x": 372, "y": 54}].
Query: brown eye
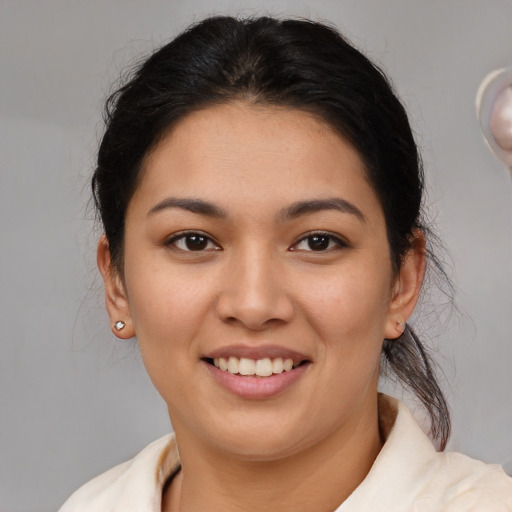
[
  {"x": 196, "y": 242},
  {"x": 318, "y": 242},
  {"x": 192, "y": 242}
]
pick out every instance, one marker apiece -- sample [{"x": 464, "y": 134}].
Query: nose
[{"x": 254, "y": 293}]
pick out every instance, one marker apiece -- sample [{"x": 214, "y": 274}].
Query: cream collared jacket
[{"x": 407, "y": 476}]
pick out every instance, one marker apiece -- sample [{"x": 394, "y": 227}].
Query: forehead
[{"x": 240, "y": 153}]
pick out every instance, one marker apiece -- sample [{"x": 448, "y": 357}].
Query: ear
[
  {"x": 116, "y": 300},
  {"x": 407, "y": 287}
]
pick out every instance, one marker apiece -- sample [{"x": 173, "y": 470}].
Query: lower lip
[{"x": 257, "y": 388}]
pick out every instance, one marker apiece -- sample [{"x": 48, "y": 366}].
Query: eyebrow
[
  {"x": 317, "y": 205},
  {"x": 298, "y": 209},
  {"x": 198, "y": 206}
]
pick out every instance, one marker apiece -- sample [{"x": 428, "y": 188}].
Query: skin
[{"x": 259, "y": 282}]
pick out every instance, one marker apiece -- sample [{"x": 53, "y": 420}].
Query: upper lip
[{"x": 259, "y": 352}]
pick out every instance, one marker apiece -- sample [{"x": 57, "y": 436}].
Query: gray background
[{"x": 74, "y": 401}]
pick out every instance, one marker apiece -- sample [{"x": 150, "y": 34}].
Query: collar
[
  {"x": 137, "y": 484},
  {"x": 407, "y": 460}
]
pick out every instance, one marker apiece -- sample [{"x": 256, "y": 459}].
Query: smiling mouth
[{"x": 266, "y": 367}]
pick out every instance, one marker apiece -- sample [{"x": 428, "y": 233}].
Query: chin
[{"x": 259, "y": 437}]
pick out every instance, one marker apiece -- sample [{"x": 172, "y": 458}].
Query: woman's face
[{"x": 255, "y": 241}]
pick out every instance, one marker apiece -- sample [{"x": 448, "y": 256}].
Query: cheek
[
  {"x": 351, "y": 304},
  {"x": 167, "y": 314},
  {"x": 168, "y": 307},
  {"x": 348, "y": 314}
]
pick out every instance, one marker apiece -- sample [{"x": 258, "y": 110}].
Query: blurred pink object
[{"x": 494, "y": 111}]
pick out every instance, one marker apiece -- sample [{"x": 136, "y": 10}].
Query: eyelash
[
  {"x": 182, "y": 237},
  {"x": 333, "y": 242}
]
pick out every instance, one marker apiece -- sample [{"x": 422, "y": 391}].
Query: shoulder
[
  {"x": 469, "y": 485},
  {"x": 133, "y": 485},
  {"x": 449, "y": 481},
  {"x": 410, "y": 476},
  {"x": 93, "y": 494}
]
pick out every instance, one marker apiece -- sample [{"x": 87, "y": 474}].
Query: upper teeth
[{"x": 260, "y": 367}]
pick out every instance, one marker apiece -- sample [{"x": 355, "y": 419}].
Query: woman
[{"x": 260, "y": 191}]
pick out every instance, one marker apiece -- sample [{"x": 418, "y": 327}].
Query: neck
[{"x": 319, "y": 478}]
